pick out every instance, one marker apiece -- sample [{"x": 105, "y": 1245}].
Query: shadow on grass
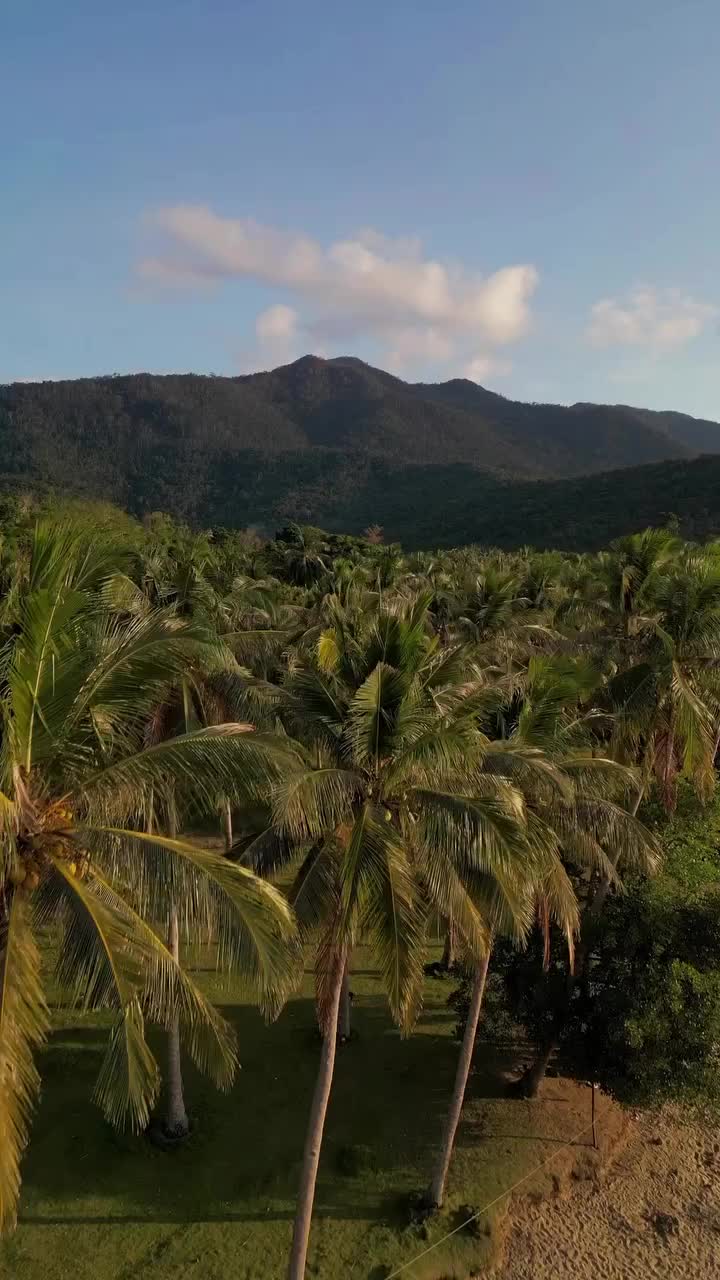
[{"x": 242, "y": 1161}]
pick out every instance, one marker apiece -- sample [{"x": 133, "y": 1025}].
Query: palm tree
[
  {"x": 489, "y": 602},
  {"x": 395, "y": 814},
  {"x": 554, "y": 708},
  {"x": 300, "y": 555},
  {"x": 78, "y": 785},
  {"x": 666, "y": 703},
  {"x": 212, "y": 690},
  {"x": 526, "y": 756},
  {"x": 631, "y": 568}
]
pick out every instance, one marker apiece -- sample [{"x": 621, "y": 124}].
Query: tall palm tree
[
  {"x": 395, "y": 814},
  {"x": 556, "y": 708},
  {"x": 77, "y": 786},
  {"x": 532, "y": 753}
]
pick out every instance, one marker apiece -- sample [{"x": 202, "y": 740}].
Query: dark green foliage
[
  {"x": 356, "y": 1160},
  {"x": 644, "y": 1019},
  {"x": 342, "y": 445},
  {"x": 652, "y": 1004},
  {"x": 496, "y": 1022}
]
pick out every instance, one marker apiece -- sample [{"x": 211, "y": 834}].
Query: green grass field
[{"x": 101, "y": 1206}]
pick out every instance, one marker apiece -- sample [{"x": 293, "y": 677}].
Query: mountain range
[{"x": 341, "y": 444}]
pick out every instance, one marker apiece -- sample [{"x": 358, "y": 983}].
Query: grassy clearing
[{"x": 102, "y": 1206}]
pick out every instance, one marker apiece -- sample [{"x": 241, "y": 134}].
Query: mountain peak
[{"x": 139, "y": 437}]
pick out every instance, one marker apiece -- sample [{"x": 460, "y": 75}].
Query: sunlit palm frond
[
  {"x": 228, "y": 760},
  {"x": 440, "y": 751},
  {"x": 378, "y": 887},
  {"x": 114, "y": 677},
  {"x": 164, "y": 989},
  {"x": 626, "y": 839},
  {"x": 328, "y": 651},
  {"x": 694, "y": 727},
  {"x": 480, "y": 832},
  {"x": 128, "y": 1082},
  {"x": 219, "y": 901},
  {"x": 373, "y": 713},
  {"x": 24, "y": 1023},
  {"x": 45, "y": 620},
  {"x": 313, "y": 802},
  {"x": 100, "y": 968},
  {"x": 527, "y": 767},
  {"x": 452, "y": 896}
]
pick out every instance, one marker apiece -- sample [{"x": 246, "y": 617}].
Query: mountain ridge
[
  {"x": 346, "y": 404},
  {"x": 332, "y": 441}
]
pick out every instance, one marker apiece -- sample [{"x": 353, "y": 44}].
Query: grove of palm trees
[{"x": 331, "y": 876}]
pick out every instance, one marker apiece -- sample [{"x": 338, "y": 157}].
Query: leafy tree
[
  {"x": 78, "y": 783},
  {"x": 644, "y": 1020}
]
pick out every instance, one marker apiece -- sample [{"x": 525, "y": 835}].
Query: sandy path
[{"x": 608, "y": 1229}]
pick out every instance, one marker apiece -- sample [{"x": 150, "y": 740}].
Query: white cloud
[
  {"x": 409, "y": 347},
  {"x": 483, "y": 367},
  {"x": 419, "y": 311},
  {"x": 279, "y": 322},
  {"x": 655, "y": 319},
  {"x": 276, "y": 330}
]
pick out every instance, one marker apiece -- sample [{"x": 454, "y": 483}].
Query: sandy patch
[{"x": 654, "y": 1213}]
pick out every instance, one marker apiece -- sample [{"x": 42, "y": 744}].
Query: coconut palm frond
[
  {"x": 250, "y": 921},
  {"x": 373, "y": 713},
  {"x": 475, "y": 831},
  {"x": 267, "y": 852},
  {"x": 24, "y": 1023},
  {"x": 313, "y": 802},
  {"x": 527, "y": 767},
  {"x": 316, "y": 704},
  {"x": 228, "y": 760},
  {"x": 378, "y": 886},
  {"x": 118, "y": 671},
  {"x": 128, "y": 1082},
  {"x": 46, "y": 618},
  {"x": 557, "y": 903},
  {"x": 452, "y": 896},
  {"x": 166, "y": 991},
  {"x": 439, "y": 751},
  {"x": 314, "y": 894}
]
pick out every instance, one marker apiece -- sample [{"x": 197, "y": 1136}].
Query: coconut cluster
[{"x": 52, "y": 841}]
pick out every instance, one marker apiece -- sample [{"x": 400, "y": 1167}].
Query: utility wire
[{"x": 571, "y": 1142}]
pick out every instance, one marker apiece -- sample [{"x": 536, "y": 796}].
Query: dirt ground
[{"x": 653, "y": 1213}]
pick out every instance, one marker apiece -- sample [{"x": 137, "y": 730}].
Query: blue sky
[{"x": 527, "y": 193}]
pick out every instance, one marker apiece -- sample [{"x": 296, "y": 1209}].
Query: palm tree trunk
[
  {"x": 535, "y": 1074},
  {"x": 176, "y": 1121},
  {"x": 313, "y": 1139},
  {"x": 228, "y": 826},
  {"x": 436, "y": 1191},
  {"x": 344, "y": 1022},
  {"x": 448, "y": 956}
]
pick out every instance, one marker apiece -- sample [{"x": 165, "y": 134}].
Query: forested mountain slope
[{"x": 340, "y": 444}]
